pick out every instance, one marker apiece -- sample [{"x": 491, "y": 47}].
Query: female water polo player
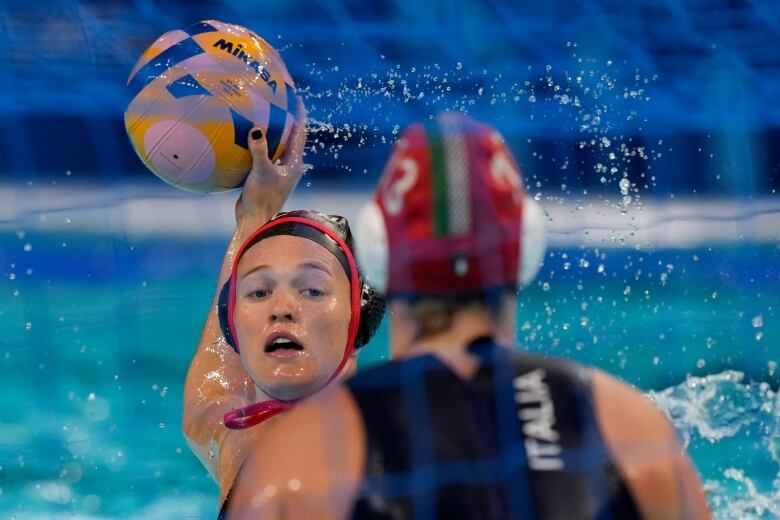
[
  {"x": 290, "y": 312},
  {"x": 459, "y": 425}
]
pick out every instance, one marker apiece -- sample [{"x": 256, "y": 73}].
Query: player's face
[{"x": 292, "y": 315}]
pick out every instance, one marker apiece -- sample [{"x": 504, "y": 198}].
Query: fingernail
[{"x": 257, "y": 134}]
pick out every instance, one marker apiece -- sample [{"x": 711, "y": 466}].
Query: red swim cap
[{"x": 450, "y": 215}]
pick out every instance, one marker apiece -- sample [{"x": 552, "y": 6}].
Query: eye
[
  {"x": 311, "y": 292},
  {"x": 260, "y": 293}
]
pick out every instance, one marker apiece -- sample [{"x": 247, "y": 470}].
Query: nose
[
  {"x": 282, "y": 308},
  {"x": 279, "y": 315}
]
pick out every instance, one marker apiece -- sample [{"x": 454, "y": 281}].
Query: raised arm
[
  {"x": 216, "y": 380},
  {"x": 644, "y": 444}
]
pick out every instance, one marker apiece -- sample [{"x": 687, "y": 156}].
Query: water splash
[
  {"x": 719, "y": 407},
  {"x": 581, "y": 96}
]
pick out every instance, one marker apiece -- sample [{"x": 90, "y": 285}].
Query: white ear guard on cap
[
  {"x": 533, "y": 242},
  {"x": 372, "y": 245}
]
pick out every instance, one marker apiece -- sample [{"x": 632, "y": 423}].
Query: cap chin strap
[
  {"x": 257, "y": 413},
  {"x": 371, "y": 243}
]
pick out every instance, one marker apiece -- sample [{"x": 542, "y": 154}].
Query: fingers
[
  {"x": 258, "y": 147},
  {"x": 267, "y": 186},
  {"x": 297, "y": 140},
  {"x": 300, "y": 111}
]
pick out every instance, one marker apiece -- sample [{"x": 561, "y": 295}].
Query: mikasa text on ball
[{"x": 196, "y": 93}]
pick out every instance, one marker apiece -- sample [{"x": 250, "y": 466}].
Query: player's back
[{"x": 519, "y": 439}]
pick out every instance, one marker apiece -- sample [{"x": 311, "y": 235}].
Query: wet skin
[{"x": 292, "y": 315}]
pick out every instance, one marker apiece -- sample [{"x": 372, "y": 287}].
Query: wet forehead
[{"x": 285, "y": 253}]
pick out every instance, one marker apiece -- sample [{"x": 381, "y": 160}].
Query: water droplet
[
  {"x": 624, "y": 186},
  {"x": 545, "y": 286},
  {"x": 27, "y": 326},
  {"x": 757, "y": 321},
  {"x": 27, "y": 248},
  {"x": 700, "y": 363},
  {"x": 96, "y": 409}
]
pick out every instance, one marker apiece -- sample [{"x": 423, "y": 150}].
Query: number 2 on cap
[{"x": 396, "y": 188}]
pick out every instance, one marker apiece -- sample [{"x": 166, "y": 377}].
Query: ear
[
  {"x": 371, "y": 246},
  {"x": 532, "y": 242},
  {"x": 372, "y": 309}
]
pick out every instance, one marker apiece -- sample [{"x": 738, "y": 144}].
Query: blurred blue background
[
  {"x": 705, "y": 74},
  {"x": 649, "y": 131}
]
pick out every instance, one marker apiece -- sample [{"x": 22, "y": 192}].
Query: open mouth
[{"x": 282, "y": 344}]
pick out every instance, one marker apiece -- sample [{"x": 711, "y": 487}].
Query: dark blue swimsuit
[{"x": 518, "y": 440}]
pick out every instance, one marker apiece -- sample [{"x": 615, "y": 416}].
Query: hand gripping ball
[{"x": 196, "y": 93}]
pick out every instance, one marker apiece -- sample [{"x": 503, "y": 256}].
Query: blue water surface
[{"x": 99, "y": 331}]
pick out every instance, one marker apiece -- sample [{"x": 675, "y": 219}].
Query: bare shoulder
[
  {"x": 647, "y": 452},
  {"x": 307, "y": 464},
  {"x": 625, "y": 413}
]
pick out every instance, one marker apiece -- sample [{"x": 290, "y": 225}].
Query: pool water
[{"x": 98, "y": 332}]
